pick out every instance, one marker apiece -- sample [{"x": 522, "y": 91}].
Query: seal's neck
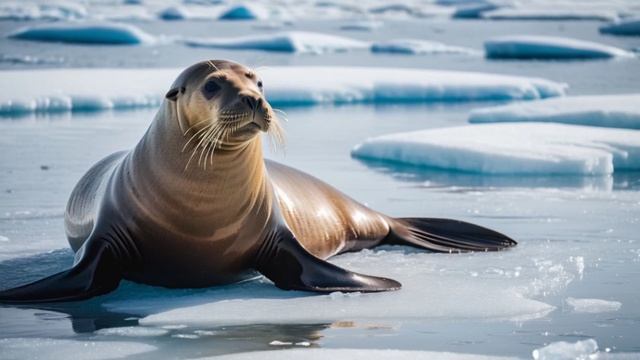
[{"x": 232, "y": 186}]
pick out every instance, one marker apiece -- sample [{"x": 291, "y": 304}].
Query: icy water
[{"x": 578, "y": 236}]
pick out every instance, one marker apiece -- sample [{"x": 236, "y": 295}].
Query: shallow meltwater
[{"x": 569, "y": 287}]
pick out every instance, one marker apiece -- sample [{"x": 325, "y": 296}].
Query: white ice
[
  {"x": 629, "y": 26},
  {"x": 511, "y": 149},
  {"x": 353, "y": 354},
  {"x": 616, "y": 111},
  {"x": 593, "y": 306},
  {"x": 507, "y": 296},
  {"x": 133, "y": 331},
  {"x": 85, "y": 33},
  {"x": 50, "y": 10},
  {"x": 293, "y": 41},
  {"x": 66, "y": 89},
  {"x": 364, "y": 25},
  {"x": 418, "y": 47},
  {"x": 548, "y": 47},
  {"x": 54, "y": 349},
  {"x": 580, "y": 350},
  {"x": 551, "y": 12}
]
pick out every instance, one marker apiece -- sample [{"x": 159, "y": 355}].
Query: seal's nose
[{"x": 251, "y": 101}]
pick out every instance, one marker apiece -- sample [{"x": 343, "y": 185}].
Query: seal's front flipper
[
  {"x": 446, "y": 235},
  {"x": 285, "y": 262},
  {"x": 95, "y": 272}
]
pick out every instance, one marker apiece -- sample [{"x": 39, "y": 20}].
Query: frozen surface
[
  {"x": 355, "y": 354},
  {"x": 37, "y": 348},
  {"x": 244, "y": 12},
  {"x": 364, "y": 25},
  {"x": 118, "y": 89},
  {"x": 616, "y": 111},
  {"x": 417, "y": 47},
  {"x": 293, "y": 42},
  {"x": 85, "y": 33},
  {"x": 50, "y": 10},
  {"x": 550, "y": 12},
  {"x": 629, "y": 27},
  {"x": 511, "y": 149},
  {"x": 580, "y": 350},
  {"x": 548, "y": 47},
  {"x": 593, "y": 306}
]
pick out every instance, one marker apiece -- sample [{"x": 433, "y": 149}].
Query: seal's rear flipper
[
  {"x": 446, "y": 235},
  {"x": 284, "y": 261},
  {"x": 95, "y": 272}
]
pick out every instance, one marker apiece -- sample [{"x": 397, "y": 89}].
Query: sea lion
[{"x": 195, "y": 204}]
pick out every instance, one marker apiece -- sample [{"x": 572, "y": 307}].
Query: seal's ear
[{"x": 173, "y": 93}]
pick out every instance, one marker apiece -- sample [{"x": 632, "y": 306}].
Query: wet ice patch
[
  {"x": 548, "y": 47},
  {"x": 356, "y": 354},
  {"x": 511, "y": 149},
  {"x": 85, "y": 33},
  {"x": 593, "y": 306},
  {"x": 135, "y": 88},
  {"x": 616, "y": 111},
  {"x": 417, "y": 47},
  {"x": 293, "y": 42},
  {"x": 133, "y": 331},
  {"x": 627, "y": 27},
  {"x": 39, "y": 348},
  {"x": 497, "y": 296}
]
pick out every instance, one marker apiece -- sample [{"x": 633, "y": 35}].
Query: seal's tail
[{"x": 446, "y": 235}]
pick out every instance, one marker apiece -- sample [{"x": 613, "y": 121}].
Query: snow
[
  {"x": 41, "y": 348},
  {"x": 630, "y": 26},
  {"x": 293, "y": 41},
  {"x": 580, "y": 350},
  {"x": 593, "y": 306},
  {"x": 550, "y": 12},
  {"x": 548, "y": 47},
  {"x": 617, "y": 111},
  {"x": 417, "y": 47},
  {"x": 85, "y": 33},
  {"x": 354, "y": 354},
  {"x": 244, "y": 12},
  {"x": 511, "y": 149},
  {"x": 66, "y": 89}
]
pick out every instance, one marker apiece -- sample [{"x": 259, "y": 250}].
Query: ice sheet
[
  {"x": 85, "y": 33},
  {"x": 548, "y": 47},
  {"x": 511, "y": 149},
  {"x": 616, "y": 111},
  {"x": 551, "y": 12},
  {"x": 66, "y": 89},
  {"x": 593, "y": 306},
  {"x": 417, "y": 47},
  {"x": 37, "y": 348},
  {"x": 630, "y": 26}
]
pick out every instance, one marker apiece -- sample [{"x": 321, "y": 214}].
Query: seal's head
[{"x": 221, "y": 102}]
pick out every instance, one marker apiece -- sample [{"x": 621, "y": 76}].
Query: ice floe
[
  {"x": 593, "y": 306},
  {"x": 629, "y": 27},
  {"x": 133, "y": 331},
  {"x": 66, "y": 89},
  {"x": 417, "y": 47},
  {"x": 365, "y": 25},
  {"x": 293, "y": 41},
  {"x": 548, "y": 47},
  {"x": 46, "y": 348},
  {"x": 511, "y": 149},
  {"x": 355, "y": 354},
  {"x": 51, "y": 10},
  {"x": 85, "y": 33},
  {"x": 551, "y": 12},
  {"x": 244, "y": 12},
  {"x": 617, "y": 111},
  {"x": 474, "y": 10},
  {"x": 502, "y": 297}
]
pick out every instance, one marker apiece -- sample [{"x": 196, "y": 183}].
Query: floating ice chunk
[
  {"x": 551, "y": 12},
  {"x": 366, "y": 25},
  {"x": 617, "y": 111},
  {"x": 40, "y": 348},
  {"x": 417, "y": 47},
  {"x": 294, "y": 41},
  {"x": 548, "y": 47},
  {"x": 133, "y": 331},
  {"x": 85, "y": 33},
  {"x": 629, "y": 26},
  {"x": 446, "y": 296},
  {"x": 175, "y": 12},
  {"x": 133, "y": 88},
  {"x": 245, "y": 12},
  {"x": 593, "y": 306},
  {"x": 474, "y": 10},
  {"x": 562, "y": 350},
  {"x": 355, "y": 354},
  {"x": 511, "y": 149}
]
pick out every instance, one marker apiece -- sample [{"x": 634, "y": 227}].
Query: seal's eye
[
  {"x": 260, "y": 84},
  {"x": 210, "y": 89}
]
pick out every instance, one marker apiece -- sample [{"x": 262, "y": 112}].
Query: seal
[{"x": 195, "y": 204}]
